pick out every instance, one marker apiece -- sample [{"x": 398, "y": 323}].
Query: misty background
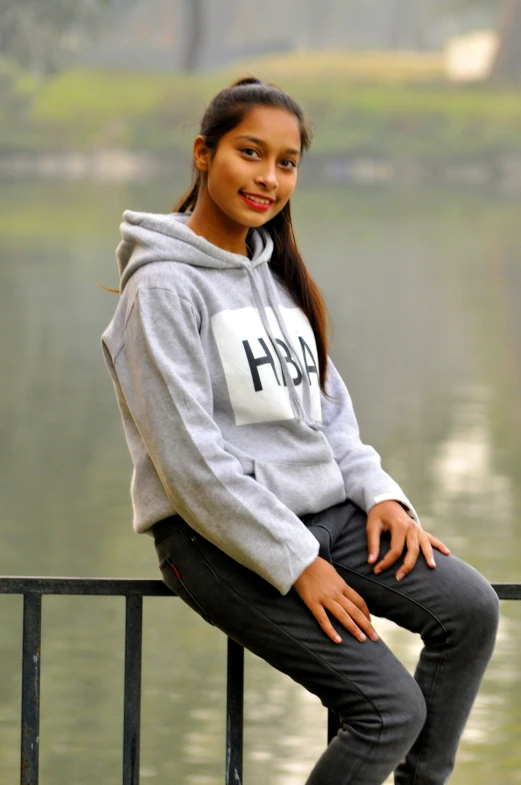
[
  {"x": 407, "y": 214},
  {"x": 192, "y": 34}
]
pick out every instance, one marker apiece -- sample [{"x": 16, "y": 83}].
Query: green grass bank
[{"x": 394, "y": 106}]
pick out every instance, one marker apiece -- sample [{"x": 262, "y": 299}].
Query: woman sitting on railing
[{"x": 271, "y": 518}]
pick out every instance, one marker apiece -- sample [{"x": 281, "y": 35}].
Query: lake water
[{"x": 424, "y": 291}]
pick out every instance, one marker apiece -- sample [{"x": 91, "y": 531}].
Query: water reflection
[
  {"x": 464, "y": 472},
  {"x": 424, "y": 292}
]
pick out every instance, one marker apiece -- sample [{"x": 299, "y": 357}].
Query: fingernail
[
  {"x": 374, "y": 637},
  {"x": 432, "y": 562},
  {"x": 376, "y": 570},
  {"x": 338, "y": 639},
  {"x": 362, "y": 637},
  {"x": 399, "y": 576}
]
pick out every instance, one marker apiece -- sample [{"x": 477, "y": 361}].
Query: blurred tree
[
  {"x": 319, "y": 22},
  {"x": 194, "y": 34},
  {"x": 507, "y": 66},
  {"x": 43, "y": 35},
  {"x": 406, "y": 24}
]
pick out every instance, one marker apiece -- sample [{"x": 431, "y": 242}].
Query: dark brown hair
[{"x": 227, "y": 110}]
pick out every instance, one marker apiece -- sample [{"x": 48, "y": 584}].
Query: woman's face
[{"x": 253, "y": 171}]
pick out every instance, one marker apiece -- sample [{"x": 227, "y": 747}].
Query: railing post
[
  {"x": 234, "y": 712},
  {"x": 132, "y": 694},
  {"x": 333, "y": 725},
  {"x": 32, "y": 634}
]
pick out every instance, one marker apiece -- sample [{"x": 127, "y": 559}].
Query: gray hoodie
[{"x": 215, "y": 370}]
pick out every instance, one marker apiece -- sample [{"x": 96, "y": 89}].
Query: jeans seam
[
  {"x": 428, "y": 704},
  {"x": 396, "y": 591},
  {"x": 314, "y": 654},
  {"x": 428, "y": 701}
]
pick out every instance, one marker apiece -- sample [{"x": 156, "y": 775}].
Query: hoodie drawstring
[
  {"x": 298, "y": 408},
  {"x": 306, "y": 383}
]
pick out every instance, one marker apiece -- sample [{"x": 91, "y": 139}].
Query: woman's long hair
[{"x": 227, "y": 110}]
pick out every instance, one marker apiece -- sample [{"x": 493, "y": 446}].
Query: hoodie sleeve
[
  {"x": 366, "y": 482},
  {"x": 165, "y": 379}
]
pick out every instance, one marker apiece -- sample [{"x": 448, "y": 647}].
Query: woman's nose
[{"x": 267, "y": 176}]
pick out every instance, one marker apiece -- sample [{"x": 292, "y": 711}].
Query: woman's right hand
[{"x": 322, "y": 589}]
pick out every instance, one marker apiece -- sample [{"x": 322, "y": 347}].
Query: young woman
[{"x": 270, "y": 517}]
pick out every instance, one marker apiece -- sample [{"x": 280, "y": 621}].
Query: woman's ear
[{"x": 201, "y": 154}]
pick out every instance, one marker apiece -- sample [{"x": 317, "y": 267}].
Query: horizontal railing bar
[
  {"x": 143, "y": 587},
  {"x": 101, "y": 586},
  {"x": 507, "y": 591}
]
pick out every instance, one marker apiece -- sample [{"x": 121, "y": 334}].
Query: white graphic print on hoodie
[{"x": 216, "y": 374}]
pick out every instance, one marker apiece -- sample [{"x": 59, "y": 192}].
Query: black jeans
[{"x": 390, "y": 721}]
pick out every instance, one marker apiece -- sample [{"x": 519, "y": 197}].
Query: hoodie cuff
[
  {"x": 296, "y": 571},
  {"x": 403, "y": 500}
]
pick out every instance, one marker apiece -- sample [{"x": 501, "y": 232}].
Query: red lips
[{"x": 256, "y": 205}]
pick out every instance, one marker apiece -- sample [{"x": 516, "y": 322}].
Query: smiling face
[{"x": 252, "y": 173}]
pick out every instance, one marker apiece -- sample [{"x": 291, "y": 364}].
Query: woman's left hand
[{"x": 390, "y": 516}]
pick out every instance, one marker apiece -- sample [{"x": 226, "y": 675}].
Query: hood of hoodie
[{"x": 153, "y": 237}]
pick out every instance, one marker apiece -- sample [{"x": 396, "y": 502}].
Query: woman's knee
[
  {"x": 395, "y": 719},
  {"x": 473, "y": 608},
  {"x": 410, "y": 711}
]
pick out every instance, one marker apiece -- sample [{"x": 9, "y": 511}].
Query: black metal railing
[{"x": 133, "y": 590}]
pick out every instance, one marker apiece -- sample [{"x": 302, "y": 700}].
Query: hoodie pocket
[{"x": 303, "y": 487}]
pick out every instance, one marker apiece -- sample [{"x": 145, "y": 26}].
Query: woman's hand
[
  {"x": 323, "y": 589},
  {"x": 405, "y": 532}
]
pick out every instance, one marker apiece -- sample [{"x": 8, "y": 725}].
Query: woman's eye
[{"x": 251, "y": 152}]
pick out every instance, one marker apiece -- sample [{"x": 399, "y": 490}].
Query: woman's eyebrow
[{"x": 262, "y": 143}]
